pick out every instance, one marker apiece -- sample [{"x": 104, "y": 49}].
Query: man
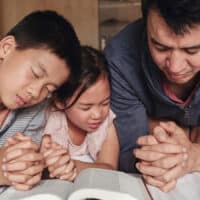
[{"x": 155, "y": 70}]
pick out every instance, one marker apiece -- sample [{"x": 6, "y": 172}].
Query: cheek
[
  {"x": 77, "y": 117},
  {"x": 106, "y": 111},
  {"x": 195, "y": 63},
  {"x": 158, "y": 58}
]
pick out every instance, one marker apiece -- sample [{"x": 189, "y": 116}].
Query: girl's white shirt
[{"x": 57, "y": 127}]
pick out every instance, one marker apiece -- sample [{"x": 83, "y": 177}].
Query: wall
[{"x": 83, "y": 14}]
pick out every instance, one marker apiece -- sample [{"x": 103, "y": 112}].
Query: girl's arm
[{"x": 108, "y": 156}]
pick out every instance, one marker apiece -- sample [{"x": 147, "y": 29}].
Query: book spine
[{"x": 147, "y": 189}]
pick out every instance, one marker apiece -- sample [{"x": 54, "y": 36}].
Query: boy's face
[
  {"x": 28, "y": 76},
  {"x": 91, "y": 109},
  {"x": 177, "y": 56}
]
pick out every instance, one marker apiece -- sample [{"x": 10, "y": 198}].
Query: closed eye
[
  {"x": 35, "y": 75},
  {"x": 191, "y": 51}
]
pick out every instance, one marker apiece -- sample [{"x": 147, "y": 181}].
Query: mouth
[
  {"x": 94, "y": 125},
  {"x": 20, "y": 101},
  {"x": 177, "y": 76}
]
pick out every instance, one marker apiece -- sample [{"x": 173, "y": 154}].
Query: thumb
[
  {"x": 172, "y": 128},
  {"x": 46, "y": 142},
  {"x": 163, "y": 136}
]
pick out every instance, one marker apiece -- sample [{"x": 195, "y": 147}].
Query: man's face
[{"x": 177, "y": 56}]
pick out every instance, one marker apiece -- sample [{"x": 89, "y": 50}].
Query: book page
[
  {"x": 51, "y": 189},
  {"x": 187, "y": 188},
  {"x": 111, "y": 183}
]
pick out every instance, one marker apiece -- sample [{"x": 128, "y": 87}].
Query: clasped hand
[
  {"x": 166, "y": 155},
  {"x": 22, "y": 163},
  {"x": 57, "y": 160}
]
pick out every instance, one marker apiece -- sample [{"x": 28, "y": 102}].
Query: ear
[
  {"x": 59, "y": 105},
  {"x": 7, "y": 44}
]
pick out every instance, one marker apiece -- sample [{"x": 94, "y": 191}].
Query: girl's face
[
  {"x": 28, "y": 76},
  {"x": 91, "y": 109}
]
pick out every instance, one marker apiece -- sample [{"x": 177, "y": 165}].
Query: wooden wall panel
[{"x": 83, "y": 14}]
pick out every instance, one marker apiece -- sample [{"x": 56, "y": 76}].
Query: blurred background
[{"x": 95, "y": 21}]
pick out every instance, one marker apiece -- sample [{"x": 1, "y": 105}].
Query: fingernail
[
  {"x": 185, "y": 156},
  {"x": 3, "y": 167},
  {"x": 184, "y": 149},
  {"x": 137, "y": 165}
]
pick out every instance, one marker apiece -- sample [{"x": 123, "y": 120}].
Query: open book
[{"x": 99, "y": 184}]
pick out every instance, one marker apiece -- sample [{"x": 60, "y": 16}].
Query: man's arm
[{"x": 131, "y": 120}]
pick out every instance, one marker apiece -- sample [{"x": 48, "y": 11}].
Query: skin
[
  {"x": 177, "y": 56},
  {"x": 84, "y": 117},
  {"x": 27, "y": 77},
  {"x": 168, "y": 153}
]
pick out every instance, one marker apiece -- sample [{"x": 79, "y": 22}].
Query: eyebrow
[
  {"x": 41, "y": 66},
  {"x": 90, "y": 104},
  {"x": 160, "y": 44}
]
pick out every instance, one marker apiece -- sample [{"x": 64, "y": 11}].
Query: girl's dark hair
[
  {"x": 93, "y": 66},
  {"x": 180, "y": 15},
  {"x": 47, "y": 29}
]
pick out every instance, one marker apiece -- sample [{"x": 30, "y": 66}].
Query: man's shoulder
[{"x": 127, "y": 40}]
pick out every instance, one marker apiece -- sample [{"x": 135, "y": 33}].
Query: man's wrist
[{"x": 195, "y": 159}]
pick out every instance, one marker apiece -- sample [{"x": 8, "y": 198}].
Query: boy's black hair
[
  {"x": 49, "y": 30},
  {"x": 93, "y": 66},
  {"x": 180, "y": 15}
]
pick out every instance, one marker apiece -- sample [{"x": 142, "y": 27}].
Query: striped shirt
[{"x": 30, "y": 121}]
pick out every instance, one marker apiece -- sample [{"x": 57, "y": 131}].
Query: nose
[
  {"x": 175, "y": 61},
  {"x": 36, "y": 90},
  {"x": 96, "y": 113}
]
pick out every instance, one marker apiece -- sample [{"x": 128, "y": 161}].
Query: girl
[
  {"x": 37, "y": 57},
  {"x": 85, "y": 128}
]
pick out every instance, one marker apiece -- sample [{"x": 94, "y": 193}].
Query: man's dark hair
[
  {"x": 180, "y": 15},
  {"x": 49, "y": 30}
]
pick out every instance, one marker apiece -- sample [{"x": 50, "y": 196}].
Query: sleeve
[
  {"x": 131, "y": 121},
  {"x": 57, "y": 127},
  {"x": 37, "y": 121}
]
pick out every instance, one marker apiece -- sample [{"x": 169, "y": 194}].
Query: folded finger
[
  {"x": 172, "y": 174},
  {"x": 170, "y": 161},
  {"x": 31, "y": 156},
  {"x": 165, "y": 148},
  {"x": 148, "y": 155},
  {"x": 15, "y": 166},
  {"x": 153, "y": 181},
  {"x": 21, "y": 187},
  {"x": 26, "y": 144},
  {"x": 34, "y": 180},
  {"x": 169, "y": 186},
  {"x": 18, "y": 178},
  {"x": 32, "y": 170},
  {"x": 147, "y": 140},
  {"x": 150, "y": 170}
]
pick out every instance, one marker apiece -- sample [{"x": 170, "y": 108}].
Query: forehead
[
  {"x": 96, "y": 92},
  {"x": 161, "y": 32}
]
